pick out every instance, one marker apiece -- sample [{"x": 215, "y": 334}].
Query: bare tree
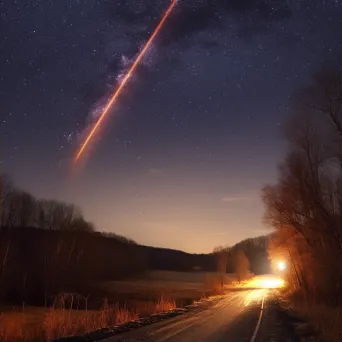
[
  {"x": 54, "y": 215},
  {"x": 26, "y": 209},
  {"x": 305, "y": 206},
  {"x": 79, "y": 224},
  {"x": 241, "y": 265},
  {"x": 6, "y": 191},
  {"x": 221, "y": 254}
]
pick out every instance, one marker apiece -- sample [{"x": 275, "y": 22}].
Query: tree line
[
  {"x": 47, "y": 247},
  {"x": 20, "y": 209},
  {"x": 305, "y": 204},
  {"x": 247, "y": 257}
]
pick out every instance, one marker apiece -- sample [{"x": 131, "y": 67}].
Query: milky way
[{"x": 125, "y": 79}]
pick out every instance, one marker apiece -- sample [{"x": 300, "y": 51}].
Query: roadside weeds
[
  {"x": 314, "y": 322},
  {"x": 64, "y": 320}
]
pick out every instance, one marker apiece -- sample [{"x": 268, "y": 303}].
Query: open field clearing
[
  {"x": 153, "y": 292},
  {"x": 183, "y": 287}
]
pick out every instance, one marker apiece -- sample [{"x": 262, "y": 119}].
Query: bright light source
[{"x": 281, "y": 265}]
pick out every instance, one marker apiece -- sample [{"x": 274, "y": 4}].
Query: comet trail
[{"x": 123, "y": 82}]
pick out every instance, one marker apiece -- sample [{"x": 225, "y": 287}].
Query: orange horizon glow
[{"x": 124, "y": 81}]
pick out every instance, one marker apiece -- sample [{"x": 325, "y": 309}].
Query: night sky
[{"x": 180, "y": 160}]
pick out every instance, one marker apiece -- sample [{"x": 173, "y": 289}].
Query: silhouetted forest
[
  {"x": 255, "y": 250},
  {"x": 47, "y": 247},
  {"x": 305, "y": 205},
  {"x": 173, "y": 260}
]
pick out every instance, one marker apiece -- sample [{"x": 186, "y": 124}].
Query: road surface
[{"x": 239, "y": 316}]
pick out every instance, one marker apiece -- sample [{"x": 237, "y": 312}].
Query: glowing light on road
[
  {"x": 254, "y": 296},
  {"x": 265, "y": 282},
  {"x": 272, "y": 283},
  {"x": 124, "y": 81},
  {"x": 281, "y": 265}
]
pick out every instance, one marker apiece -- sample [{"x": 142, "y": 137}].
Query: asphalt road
[{"x": 239, "y": 316}]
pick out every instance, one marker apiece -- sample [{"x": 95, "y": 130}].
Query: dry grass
[
  {"x": 324, "y": 319},
  {"x": 12, "y": 328},
  {"x": 37, "y": 324},
  {"x": 328, "y": 321},
  {"x": 60, "y": 323},
  {"x": 164, "y": 304}
]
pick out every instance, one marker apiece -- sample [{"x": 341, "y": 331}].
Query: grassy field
[
  {"x": 182, "y": 287},
  {"x": 153, "y": 292}
]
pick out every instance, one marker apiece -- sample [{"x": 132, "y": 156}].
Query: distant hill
[{"x": 174, "y": 260}]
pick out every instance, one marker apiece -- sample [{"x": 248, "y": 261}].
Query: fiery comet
[{"x": 124, "y": 81}]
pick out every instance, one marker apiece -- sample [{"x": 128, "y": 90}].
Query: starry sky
[{"x": 181, "y": 158}]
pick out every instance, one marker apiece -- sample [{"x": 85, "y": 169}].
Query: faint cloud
[
  {"x": 155, "y": 171},
  {"x": 234, "y": 199},
  {"x": 245, "y": 196}
]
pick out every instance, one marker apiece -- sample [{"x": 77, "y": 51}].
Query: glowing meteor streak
[{"x": 124, "y": 81}]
